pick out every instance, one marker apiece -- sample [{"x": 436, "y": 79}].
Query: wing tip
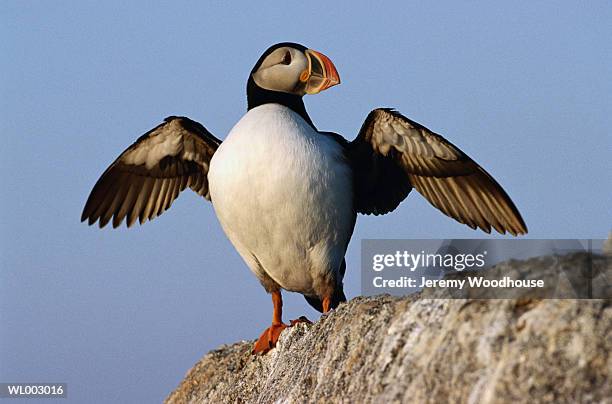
[
  {"x": 115, "y": 221},
  {"x": 91, "y": 220},
  {"x": 521, "y": 230}
]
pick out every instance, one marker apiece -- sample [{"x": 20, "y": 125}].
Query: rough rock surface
[{"x": 421, "y": 348}]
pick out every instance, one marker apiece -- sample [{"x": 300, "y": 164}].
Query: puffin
[{"x": 286, "y": 194}]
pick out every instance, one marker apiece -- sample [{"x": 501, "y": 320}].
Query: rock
[
  {"x": 385, "y": 349},
  {"x": 607, "y": 247}
]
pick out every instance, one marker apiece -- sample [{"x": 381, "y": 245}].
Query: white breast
[{"x": 283, "y": 195}]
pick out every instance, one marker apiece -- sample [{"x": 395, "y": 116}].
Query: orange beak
[{"x": 321, "y": 73}]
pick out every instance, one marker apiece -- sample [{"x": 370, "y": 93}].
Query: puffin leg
[
  {"x": 326, "y": 304},
  {"x": 267, "y": 340}
]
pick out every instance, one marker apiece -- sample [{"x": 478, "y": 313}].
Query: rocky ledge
[{"x": 422, "y": 348}]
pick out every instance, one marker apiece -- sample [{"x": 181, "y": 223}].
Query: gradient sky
[{"x": 121, "y": 315}]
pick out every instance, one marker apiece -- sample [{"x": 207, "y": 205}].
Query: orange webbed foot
[{"x": 267, "y": 340}]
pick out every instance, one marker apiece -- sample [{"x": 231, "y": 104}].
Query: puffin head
[
  {"x": 286, "y": 72},
  {"x": 293, "y": 69}
]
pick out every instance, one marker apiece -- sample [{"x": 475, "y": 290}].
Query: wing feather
[
  {"x": 449, "y": 179},
  {"x": 150, "y": 174},
  {"x": 159, "y": 206},
  {"x": 141, "y": 202},
  {"x": 147, "y": 212}
]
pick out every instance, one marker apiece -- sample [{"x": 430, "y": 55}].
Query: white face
[{"x": 281, "y": 70}]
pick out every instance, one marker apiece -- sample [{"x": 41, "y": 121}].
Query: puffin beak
[{"x": 321, "y": 73}]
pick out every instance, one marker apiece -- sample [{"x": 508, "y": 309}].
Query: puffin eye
[{"x": 287, "y": 58}]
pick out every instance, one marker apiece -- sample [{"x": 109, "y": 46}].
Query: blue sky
[{"x": 121, "y": 315}]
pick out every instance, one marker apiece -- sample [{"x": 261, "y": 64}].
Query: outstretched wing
[
  {"x": 392, "y": 154},
  {"x": 148, "y": 176}
]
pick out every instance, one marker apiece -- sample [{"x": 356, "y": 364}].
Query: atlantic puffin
[{"x": 286, "y": 194}]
